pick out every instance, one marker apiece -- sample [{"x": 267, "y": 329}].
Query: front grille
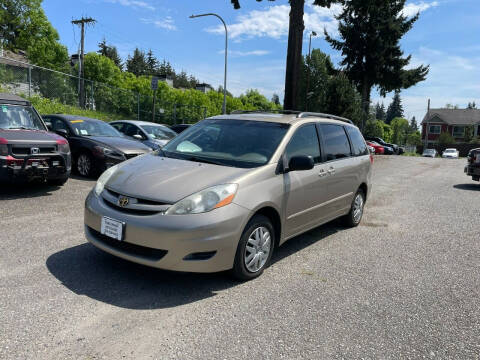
[
  {"x": 129, "y": 210},
  {"x": 140, "y": 201},
  {"x": 21, "y": 150},
  {"x": 129, "y": 248}
]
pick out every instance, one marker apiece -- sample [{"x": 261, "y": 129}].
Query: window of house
[
  {"x": 434, "y": 129},
  {"x": 458, "y": 131}
]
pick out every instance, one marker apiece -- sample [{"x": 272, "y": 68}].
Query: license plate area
[{"x": 112, "y": 228}]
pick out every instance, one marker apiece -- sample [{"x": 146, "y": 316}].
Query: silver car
[{"x": 227, "y": 191}]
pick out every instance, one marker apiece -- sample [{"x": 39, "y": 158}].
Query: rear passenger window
[
  {"x": 359, "y": 147},
  {"x": 335, "y": 141},
  {"x": 304, "y": 142}
]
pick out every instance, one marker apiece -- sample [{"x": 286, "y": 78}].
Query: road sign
[{"x": 154, "y": 83}]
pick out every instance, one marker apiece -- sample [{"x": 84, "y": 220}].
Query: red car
[{"x": 378, "y": 148}]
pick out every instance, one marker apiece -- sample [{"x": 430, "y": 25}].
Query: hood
[
  {"x": 126, "y": 146},
  {"x": 168, "y": 180},
  {"x": 29, "y": 136}
]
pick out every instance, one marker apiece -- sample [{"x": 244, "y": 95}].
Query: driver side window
[{"x": 304, "y": 142}]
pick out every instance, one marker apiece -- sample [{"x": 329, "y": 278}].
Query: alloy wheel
[
  {"x": 358, "y": 208},
  {"x": 84, "y": 165},
  {"x": 257, "y": 249}
]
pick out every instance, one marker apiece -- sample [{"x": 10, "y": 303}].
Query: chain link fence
[{"x": 28, "y": 80}]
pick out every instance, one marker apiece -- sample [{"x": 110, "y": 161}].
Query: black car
[
  {"x": 27, "y": 150},
  {"x": 95, "y": 144},
  {"x": 178, "y": 128},
  {"x": 383, "y": 143}
]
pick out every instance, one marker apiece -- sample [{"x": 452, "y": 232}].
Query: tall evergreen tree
[
  {"x": 137, "y": 64},
  {"x": 152, "y": 63},
  {"x": 395, "y": 109},
  {"x": 110, "y": 52},
  {"x": 276, "y": 99},
  {"x": 370, "y": 32},
  {"x": 166, "y": 69},
  {"x": 413, "y": 124},
  {"x": 380, "y": 113},
  {"x": 472, "y": 105}
]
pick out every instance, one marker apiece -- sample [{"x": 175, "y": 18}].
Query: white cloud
[
  {"x": 236, "y": 53},
  {"x": 412, "y": 9},
  {"x": 133, "y": 3},
  {"x": 167, "y": 23}
]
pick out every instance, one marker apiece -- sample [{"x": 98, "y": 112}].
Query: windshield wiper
[{"x": 203, "y": 160}]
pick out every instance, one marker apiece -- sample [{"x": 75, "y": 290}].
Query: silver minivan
[{"x": 226, "y": 192}]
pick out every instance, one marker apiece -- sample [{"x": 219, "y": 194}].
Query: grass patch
[{"x": 410, "y": 154}]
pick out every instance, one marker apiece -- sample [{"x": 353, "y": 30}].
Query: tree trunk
[
  {"x": 294, "y": 54},
  {"x": 366, "y": 89}
]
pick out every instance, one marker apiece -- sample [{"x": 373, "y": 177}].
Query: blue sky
[{"x": 446, "y": 36}]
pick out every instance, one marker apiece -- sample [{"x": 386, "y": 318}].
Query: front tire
[
  {"x": 84, "y": 165},
  {"x": 353, "y": 218},
  {"x": 255, "y": 248}
]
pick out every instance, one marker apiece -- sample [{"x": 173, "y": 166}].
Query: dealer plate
[{"x": 112, "y": 228}]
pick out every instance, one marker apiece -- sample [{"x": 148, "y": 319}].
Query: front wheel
[
  {"x": 354, "y": 217},
  {"x": 255, "y": 248},
  {"x": 85, "y": 165}
]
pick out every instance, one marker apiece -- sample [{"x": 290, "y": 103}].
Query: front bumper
[
  {"x": 473, "y": 171},
  {"x": 194, "y": 243},
  {"x": 29, "y": 168}
]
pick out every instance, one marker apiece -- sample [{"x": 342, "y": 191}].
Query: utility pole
[
  {"x": 426, "y": 125},
  {"x": 81, "y": 22}
]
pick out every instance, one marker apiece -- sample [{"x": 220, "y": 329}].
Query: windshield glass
[
  {"x": 450, "y": 151},
  {"x": 429, "y": 151},
  {"x": 239, "y": 143},
  {"x": 159, "y": 132},
  {"x": 93, "y": 128},
  {"x": 19, "y": 117}
]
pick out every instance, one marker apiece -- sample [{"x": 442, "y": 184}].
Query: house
[
  {"x": 166, "y": 79},
  {"x": 452, "y": 121},
  {"x": 203, "y": 87}
]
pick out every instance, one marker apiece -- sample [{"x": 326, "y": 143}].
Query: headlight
[
  {"x": 102, "y": 180},
  {"x": 205, "y": 200},
  {"x": 64, "y": 148},
  {"x": 102, "y": 151}
]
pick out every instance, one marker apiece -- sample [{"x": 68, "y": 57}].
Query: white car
[{"x": 450, "y": 153}]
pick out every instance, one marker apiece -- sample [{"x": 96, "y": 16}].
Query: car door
[
  {"x": 340, "y": 167},
  {"x": 304, "y": 190}
]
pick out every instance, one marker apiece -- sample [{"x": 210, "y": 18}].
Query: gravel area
[{"x": 404, "y": 284}]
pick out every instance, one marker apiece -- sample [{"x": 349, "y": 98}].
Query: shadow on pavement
[
  {"x": 88, "y": 271},
  {"x": 472, "y": 187},
  {"x": 26, "y": 190}
]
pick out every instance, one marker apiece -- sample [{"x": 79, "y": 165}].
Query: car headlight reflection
[
  {"x": 102, "y": 180},
  {"x": 205, "y": 200}
]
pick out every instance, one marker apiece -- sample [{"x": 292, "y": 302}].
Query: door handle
[
  {"x": 331, "y": 171},
  {"x": 322, "y": 173}
]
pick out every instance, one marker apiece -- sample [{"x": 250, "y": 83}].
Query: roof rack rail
[
  {"x": 265, "y": 111},
  {"x": 328, "y": 116}
]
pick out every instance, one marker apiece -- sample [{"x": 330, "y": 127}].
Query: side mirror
[
  {"x": 138, "y": 137},
  {"x": 300, "y": 162},
  {"x": 49, "y": 126},
  {"x": 62, "y": 132}
]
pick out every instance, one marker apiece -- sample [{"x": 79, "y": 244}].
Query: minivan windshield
[
  {"x": 238, "y": 143},
  {"x": 19, "y": 117}
]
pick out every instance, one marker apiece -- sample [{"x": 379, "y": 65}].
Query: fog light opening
[{"x": 200, "y": 256}]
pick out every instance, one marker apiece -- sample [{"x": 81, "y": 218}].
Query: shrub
[{"x": 445, "y": 139}]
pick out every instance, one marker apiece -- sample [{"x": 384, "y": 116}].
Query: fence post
[
  {"x": 29, "y": 81},
  {"x": 204, "y": 112},
  {"x": 138, "y": 106},
  {"x": 91, "y": 99},
  {"x": 175, "y": 113}
]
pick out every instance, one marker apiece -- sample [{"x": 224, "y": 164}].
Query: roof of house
[{"x": 454, "y": 116}]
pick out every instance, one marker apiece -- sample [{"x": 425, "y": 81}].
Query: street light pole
[
  {"x": 313, "y": 33},
  {"x": 224, "y": 105}
]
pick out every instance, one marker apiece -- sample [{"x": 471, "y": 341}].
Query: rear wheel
[
  {"x": 85, "y": 165},
  {"x": 354, "y": 217},
  {"x": 255, "y": 248}
]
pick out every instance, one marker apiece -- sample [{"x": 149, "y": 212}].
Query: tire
[
  {"x": 353, "y": 218},
  {"x": 245, "y": 267},
  {"x": 84, "y": 165},
  {"x": 57, "y": 182}
]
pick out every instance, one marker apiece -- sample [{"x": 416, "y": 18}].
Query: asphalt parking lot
[{"x": 404, "y": 284}]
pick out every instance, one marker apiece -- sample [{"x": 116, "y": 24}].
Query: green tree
[
  {"x": 413, "y": 124},
  {"x": 374, "y": 128},
  {"x": 387, "y": 132},
  {"x": 395, "y": 109},
  {"x": 380, "y": 113},
  {"x": 400, "y": 128},
  {"x": 152, "y": 63},
  {"x": 452, "y": 106},
  {"x": 166, "y": 69},
  {"x": 276, "y": 99},
  {"x": 110, "y": 52},
  {"x": 137, "y": 63},
  {"x": 253, "y": 100},
  {"x": 472, "y": 105},
  {"x": 445, "y": 139},
  {"x": 469, "y": 133},
  {"x": 414, "y": 138},
  {"x": 370, "y": 34}
]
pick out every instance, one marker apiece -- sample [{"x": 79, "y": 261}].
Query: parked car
[
  {"x": 95, "y": 145},
  {"x": 178, "y": 128},
  {"x": 450, "y": 153},
  {"x": 394, "y": 147},
  {"x": 379, "y": 150},
  {"x": 429, "y": 153},
  {"x": 27, "y": 150},
  {"x": 473, "y": 164},
  {"x": 151, "y": 134},
  {"x": 223, "y": 194},
  {"x": 371, "y": 149}
]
